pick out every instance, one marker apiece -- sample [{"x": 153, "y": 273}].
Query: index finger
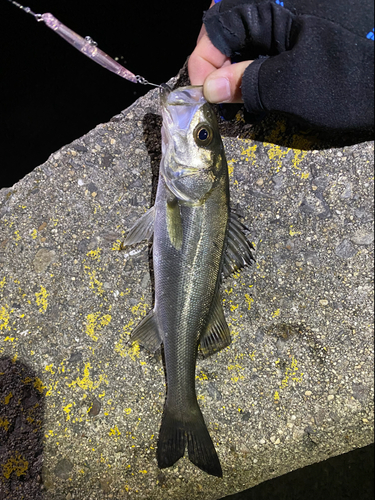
[{"x": 205, "y": 59}]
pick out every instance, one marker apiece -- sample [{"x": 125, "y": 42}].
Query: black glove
[{"x": 320, "y": 57}]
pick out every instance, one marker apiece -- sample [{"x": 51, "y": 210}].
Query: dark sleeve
[{"x": 317, "y": 69}]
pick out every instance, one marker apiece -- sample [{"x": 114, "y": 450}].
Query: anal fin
[
  {"x": 147, "y": 334},
  {"x": 217, "y": 334}
]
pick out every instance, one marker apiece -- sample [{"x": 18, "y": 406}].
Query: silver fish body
[{"x": 196, "y": 240}]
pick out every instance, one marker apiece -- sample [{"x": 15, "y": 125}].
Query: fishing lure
[{"x": 85, "y": 45}]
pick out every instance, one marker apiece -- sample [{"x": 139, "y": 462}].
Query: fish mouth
[
  {"x": 182, "y": 96},
  {"x": 180, "y": 105},
  {"x": 165, "y": 90}
]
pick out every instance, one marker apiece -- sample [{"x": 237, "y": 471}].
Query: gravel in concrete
[{"x": 295, "y": 386}]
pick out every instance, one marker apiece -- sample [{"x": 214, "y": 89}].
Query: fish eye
[{"x": 203, "y": 135}]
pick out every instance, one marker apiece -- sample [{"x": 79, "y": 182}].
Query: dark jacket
[{"x": 313, "y": 58}]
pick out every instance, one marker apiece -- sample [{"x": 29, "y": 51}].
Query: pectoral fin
[
  {"x": 143, "y": 229},
  {"x": 174, "y": 223},
  {"x": 147, "y": 333},
  {"x": 217, "y": 335},
  {"x": 238, "y": 253}
]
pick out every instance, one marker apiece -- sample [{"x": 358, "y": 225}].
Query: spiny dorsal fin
[
  {"x": 238, "y": 252},
  {"x": 217, "y": 335},
  {"x": 147, "y": 333},
  {"x": 143, "y": 229}
]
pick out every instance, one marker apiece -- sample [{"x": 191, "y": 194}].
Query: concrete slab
[{"x": 80, "y": 407}]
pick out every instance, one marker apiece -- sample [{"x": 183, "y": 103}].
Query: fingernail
[{"x": 217, "y": 90}]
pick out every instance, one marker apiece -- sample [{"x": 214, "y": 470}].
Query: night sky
[{"x": 52, "y": 94}]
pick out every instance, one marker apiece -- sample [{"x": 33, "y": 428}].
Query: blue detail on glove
[
  {"x": 371, "y": 35},
  {"x": 279, "y": 2}
]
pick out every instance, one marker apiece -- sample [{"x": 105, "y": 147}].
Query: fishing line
[{"x": 86, "y": 45}]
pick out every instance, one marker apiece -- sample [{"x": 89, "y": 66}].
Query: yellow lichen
[
  {"x": 276, "y": 153},
  {"x": 230, "y": 167},
  {"x": 51, "y": 388},
  {"x": 292, "y": 232},
  {"x": 249, "y": 153},
  {"x": 4, "y": 422},
  {"x": 249, "y": 301},
  {"x": 41, "y": 299},
  {"x": 95, "y": 323},
  {"x": 237, "y": 375},
  {"x": 291, "y": 373},
  {"x": 117, "y": 246},
  {"x": 114, "y": 431},
  {"x": 15, "y": 464},
  {"x": 139, "y": 311},
  {"x": 67, "y": 410},
  {"x": 95, "y": 254},
  {"x": 95, "y": 285},
  {"x": 5, "y": 313},
  {"x": 202, "y": 376},
  {"x": 298, "y": 157},
  {"x": 39, "y": 386},
  {"x": 7, "y": 398},
  {"x": 86, "y": 383}
]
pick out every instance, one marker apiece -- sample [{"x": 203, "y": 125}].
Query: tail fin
[{"x": 176, "y": 433}]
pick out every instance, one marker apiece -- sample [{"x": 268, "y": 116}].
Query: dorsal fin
[{"x": 238, "y": 251}]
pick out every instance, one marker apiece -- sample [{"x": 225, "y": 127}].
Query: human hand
[
  {"x": 207, "y": 66},
  {"x": 307, "y": 64}
]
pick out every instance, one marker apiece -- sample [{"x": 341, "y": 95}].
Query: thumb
[{"x": 224, "y": 84}]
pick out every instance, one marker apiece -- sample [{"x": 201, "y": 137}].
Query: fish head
[{"x": 193, "y": 155}]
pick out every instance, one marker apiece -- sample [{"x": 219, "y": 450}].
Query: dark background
[{"x": 51, "y": 94}]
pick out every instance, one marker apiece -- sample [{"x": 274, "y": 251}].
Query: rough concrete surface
[{"x": 80, "y": 407}]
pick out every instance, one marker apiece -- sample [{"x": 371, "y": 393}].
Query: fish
[{"x": 197, "y": 241}]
